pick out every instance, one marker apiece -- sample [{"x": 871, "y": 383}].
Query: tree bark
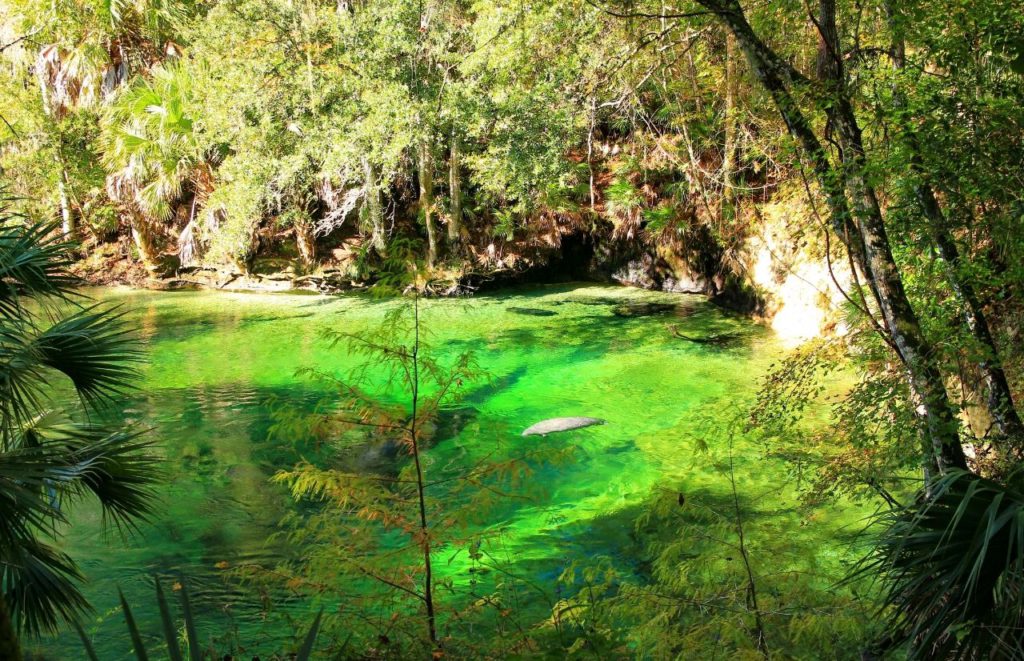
[
  {"x": 917, "y": 353},
  {"x": 591, "y": 122},
  {"x": 374, "y": 209},
  {"x": 426, "y": 177},
  {"x": 142, "y": 235},
  {"x": 863, "y": 234},
  {"x": 730, "y": 156},
  {"x": 455, "y": 191},
  {"x": 999, "y": 397},
  {"x": 67, "y": 218},
  {"x": 305, "y": 241}
]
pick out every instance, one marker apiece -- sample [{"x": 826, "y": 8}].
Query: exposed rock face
[{"x": 799, "y": 282}]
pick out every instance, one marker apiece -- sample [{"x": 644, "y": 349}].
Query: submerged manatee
[
  {"x": 551, "y": 425},
  {"x": 642, "y": 309},
  {"x": 533, "y": 312}
]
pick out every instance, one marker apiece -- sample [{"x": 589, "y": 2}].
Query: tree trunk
[
  {"x": 426, "y": 177},
  {"x": 67, "y": 218},
  {"x": 591, "y": 122},
  {"x": 730, "y": 154},
  {"x": 999, "y": 397},
  {"x": 866, "y": 238},
  {"x": 374, "y": 209},
  {"x": 455, "y": 191},
  {"x": 305, "y": 241},
  {"x": 142, "y": 234},
  {"x": 917, "y": 353},
  {"x": 10, "y": 648}
]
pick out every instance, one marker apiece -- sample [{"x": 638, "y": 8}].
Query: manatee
[
  {"x": 551, "y": 425},
  {"x": 720, "y": 338},
  {"x": 533, "y": 312},
  {"x": 642, "y": 309}
]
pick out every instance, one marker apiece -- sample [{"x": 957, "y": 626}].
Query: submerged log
[{"x": 552, "y": 425}]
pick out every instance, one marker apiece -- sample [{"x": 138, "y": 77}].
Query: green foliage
[
  {"x": 222, "y": 126},
  {"x": 149, "y": 144},
  {"x": 864, "y": 447},
  {"x": 49, "y": 460},
  {"x": 950, "y": 567}
]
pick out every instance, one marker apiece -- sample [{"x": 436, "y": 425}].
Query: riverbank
[{"x": 775, "y": 280}]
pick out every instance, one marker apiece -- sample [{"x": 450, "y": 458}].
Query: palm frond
[
  {"x": 195, "y": 652},
  {"x": 170, "y": 633},
  {"x": 951, "y": 567},
  {"x": 34, "y": 261},
  {"x": 40, "y": 586},
  {"x": 133, "y": 630},
  {"x": 92, "y": 347},
  {"x": 47, "y": 459},
  {"x": 306, "y": 651}
]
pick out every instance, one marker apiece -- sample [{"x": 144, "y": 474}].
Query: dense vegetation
[{"x": 422, "y": 146}]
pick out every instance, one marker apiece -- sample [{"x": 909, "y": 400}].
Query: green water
[{"x": 214, "y": 360}]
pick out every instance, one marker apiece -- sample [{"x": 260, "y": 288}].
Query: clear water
[{"x": 214, "y": 360}]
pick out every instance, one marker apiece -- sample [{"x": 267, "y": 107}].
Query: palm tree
[
  {"x": 48, "y": 458},
  {"x": 151, "y": 152},
  {"x": 96, "y": 47},
  {"x": 951, "y": 568}
]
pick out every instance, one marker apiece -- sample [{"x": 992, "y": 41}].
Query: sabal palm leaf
[
  {"x": 92, "y": 347},
  {"x": 64, "y": 462},
  {"x": 48, "y": 460},
  {"x": 951, "y": 566},
  {"x": 149, "y": 140},
  {"x": 34, "y": 259},
  {"x": 41, "y": 587}
]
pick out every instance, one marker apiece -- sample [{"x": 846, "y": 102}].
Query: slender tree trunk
[
  {"x": 999, "y": 397},
  {"x": 67, "y": 218},
  {"x": 866, "y": 238},
  {"x": 455, "y": 191},
  {"x": 426, "y": 177},
  {"x": 918, "y": 355},
  {"x": 10, "y": 648},
  {"x": 730, "y": 155},
  {"x": 374, "y": 208},
  {"x": 421, "y": 493},
  {"x": 591, "y": 121}
]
